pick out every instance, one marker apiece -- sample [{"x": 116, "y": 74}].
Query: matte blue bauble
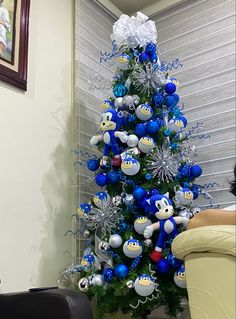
[
  {"x": 121, "y": 271},
  {"x": 141, "y": 129},
  {"x": 153, "y": 58},
  {"x": 158, "y": 99},
  {"x": 150, "y": 48},
  {"x": 108, "y": 274},
  {"x": 139, "y": 193},
  {"x": 119, "y": 90},
  {"x": 167, "y": 133},
  {"x": 152, "y": 127},
  {"x": 196, "y": 171},
  {"x": 143, "y": 57},
  {"x": 170, "y": 88},
  {"x": 101, "y": 179},
  {"x": 93, "y": 164},
  {"x": 163, "y": 266},
  {"x": 113, "y": 177},
  {"x": 185, "y": 170},
  {"x": 171, "y": 100}
]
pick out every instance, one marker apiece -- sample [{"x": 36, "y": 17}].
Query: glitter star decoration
[
  {"x": 147, "y": 79},
  {"x": 162, "y": 164},
  {"x": 104, "y": 218}
]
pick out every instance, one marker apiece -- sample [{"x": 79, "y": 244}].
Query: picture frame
[{"x": 14, "y": 32}]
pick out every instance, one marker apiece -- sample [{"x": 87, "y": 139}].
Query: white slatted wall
[{"x": 202, "y": 34}]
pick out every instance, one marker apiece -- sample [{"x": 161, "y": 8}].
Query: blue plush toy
[
  {"x": 110, "y": 125},
  {"x": 161, "y": 206}
]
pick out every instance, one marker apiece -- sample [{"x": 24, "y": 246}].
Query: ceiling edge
[
  {"x": 159, "y": 6},
  {"x": 109, "y": 7}
]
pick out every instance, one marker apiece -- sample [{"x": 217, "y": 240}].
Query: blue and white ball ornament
[
  {"x": 107, "y": 104},
  {"x": 84, "y": 209},
  {"x": 132, "y": 248},
  {"x": 113, "y": 177},
  {"x": 144, "y": 285},
  {"x": 170, "y": 88},
  {"x": 141, "y": 129},
  {"x": 120, "y": 90},
  {"x": 146, "y": 144},
  {"x": 130, "y": 166},
  {"x": 101, "y": 199},
  {"x": 144, "y": 112},
  {"x": 123, "y": 61},
  {"x": 180, "y": 278},
  {"x": 93, "y": 164},
  {"x": 139, "y": 192},
  {"x": 108, "y": 274},
  {"x": 101, "y": 179},
  {"x": 121, "y": 271},
  {"x": 196, "y": 171},
  {"x": 141, "y": 223}
]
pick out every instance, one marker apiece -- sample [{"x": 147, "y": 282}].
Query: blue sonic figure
[
  {"x": 183, "y": 197},
  {"x": 84, "y": 209},
  {"x": 110, "y": 125},
  {"x": 101, "y": 199},
  {"x": 107, "y": 104},
  {"x": 161, "y": 206}
]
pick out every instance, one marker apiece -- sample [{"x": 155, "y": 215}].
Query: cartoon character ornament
[
  {"x": 177, "y": 125},
  {"x": 132, "y": 248},
  {"x": 144, "y": 285},
  {"x": 84, "y": 209},
  {"x": 101, "y": 199},
  {"x": 107, "y": 104},
  {"x": 144, "y": 112},
  {"x": 183, "y": 196},
  {"x": 146, "y": 144},
  {"x": 161, "y": 207},
  {"x": 180, "y": 277},
  {"x": 83, "y": 284},
  {"x": 123, "y": 61},
  {"x": 130, "y": 166},
  {"x": 110, "y": 124},
  {"x": 141, "y": 223}
]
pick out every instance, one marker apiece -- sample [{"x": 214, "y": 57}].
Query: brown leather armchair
[{"x": 45, "y": 303}]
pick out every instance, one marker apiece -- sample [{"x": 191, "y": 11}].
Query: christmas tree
[{"x": 147, "y": 175}]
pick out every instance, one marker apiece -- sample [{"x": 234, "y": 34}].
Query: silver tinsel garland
[
  {"x": 104, "y": 218},
  {"x": 147, "y": 79},
  {"x": 162, "y": 164}
]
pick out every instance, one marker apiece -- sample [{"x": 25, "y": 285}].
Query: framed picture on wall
[{"x": 14, "y": 27}]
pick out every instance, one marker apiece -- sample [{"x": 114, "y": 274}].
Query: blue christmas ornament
[
  {"x": 122, "y": 227},
  {"x": 174, "y": 146},
  {"x": 93, "y": 164},
  {"x": 84, "y": 209},
  {"x": 143, "y": 203},
  {"x": 185, "y": 170},
  {"x": 101, "y": 179},
  {"x": 143, "y": 57},
  {"x": 196, "y": 171},
  {"x": 153, "y": 192},
  {"x": 167, "y": 132},
  {"x": 195, "y": 191},
  {"x": 121, "y": 271},
  {"x": 107, "y": 104},
  {"x": 141, "y": 129},
  {"x": 173, "y": 261},
  {"x": 153, "y": 58},
  {"x": 144, "y": 112},
  {"x": 171, "y": 100},
  {"x": 120, "y": 90},
  {"x": 152, "y": 127},
  {"x": 113, "y": 177},
  {"x": 148, "y": 176},
  {"x": 163, "y": 266},
  {"x": 170, "y": 88},
  {"x": 108, "y": 274},
  {"x": 131, "y": 118},
  {"x": 151, "y": 48},
  {"x": 139, "y": 193},
  {"x": 158, "y": 99}
]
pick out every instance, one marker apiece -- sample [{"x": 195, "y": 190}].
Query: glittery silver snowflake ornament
[
  {"x": 147, "y": 79},
  {"x": 162, "y": 164},
  {"x": 104, "y": 218}
]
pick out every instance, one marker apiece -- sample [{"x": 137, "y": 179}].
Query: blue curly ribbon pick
[
  {"x": 84, "y": 154},
  {"x": 135, "y": 263},
  {"x": 168, "y": 66},
  {"x": 107, "y": 56}
]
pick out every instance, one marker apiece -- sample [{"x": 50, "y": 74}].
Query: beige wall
[{"x": 36, "y": 137}]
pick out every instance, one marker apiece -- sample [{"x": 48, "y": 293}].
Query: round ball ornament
[
  {"x": 144, "y": 285},
  {"x": 119, "y": 90},
  {"x": 86, "y": 233},
  {"x": 132, "y": 140},
  {"x": 141, "y": 129},
  {"x": 98, "y": 280},
  {"x": 104, "y": 246},
  {"x": 115, "y": 241},
  {"x": 141, "y": 223},
  {"x": 146, "y": 144},
  {"x": 171, "y": 100},
  {"x": 101, "y": 179},
  {"x": 113, "y": 177},
  {"x": 143, "y": 57},
  {"x": 150, "y": 48},
  {"x": 147, "y": 243},
  {"x": 153, "y": 58},
  {"x": 117, "y": 200},
  {"x": 139, "y": 193},
  {"x": 128, "y": 200},
  {"x": 119, "y": 103},
  {"x": 130, "y": 284},
  {"x": 93, "y": 164},
  {"x": 196, "y": 171},
  {"x": 195, "y": 191},
  {"x": 130, "y": 166},
  {"x": 144, "y": 112},
  {"x": 158, "y": 99},
  {"x": 84, "y": 209},
  {"x": 163, "y": 266},
  {"x": 121, "y": 271},
  {"x": 180, "y": 278},
  {"x": 132, "y": 248},
  {"x": 83, "y": 284},
  {"x": 170, "y": 88},
  {"x": 108, "y": 274},
  {"x": 152, "y": 127}
]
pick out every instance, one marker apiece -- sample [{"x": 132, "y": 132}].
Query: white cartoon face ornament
[
  {"x": 144, "y": 285},
  {"x": 146, "y": 144},
  {"x": 130, "y": 166},
  {"x": 132, "y": 248},
  {"x": 144, "y": 112}
]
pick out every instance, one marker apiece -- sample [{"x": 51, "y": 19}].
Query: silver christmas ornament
[
  {"x": 136, "y": 99},
  {"x": 144, "y": 285},
  {"x": 97, "y": 280},
  {"x": 83, "y": 284},
  {"x": 130, "y": 284},
  {"x": 162, "y": 164},
  {"x": 147, "y": 242},
  {"x": 86, "y": 233},
  {"x": 132, "y": 140},
  {"x": 127, "y": 101},
  {"x": 117, "y": 200},
  {"x": 132, "y": 248},
  {"x": 115, "y": 241},
  {"x": 141, "y": 223},
  {"x": 128, "y": 200},
  {"x": 119, "y": 103},
  {"x": 104, "y": 246}
]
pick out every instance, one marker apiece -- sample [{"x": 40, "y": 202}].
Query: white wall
[{"x": 36, "y": 137}]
